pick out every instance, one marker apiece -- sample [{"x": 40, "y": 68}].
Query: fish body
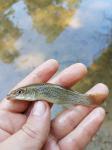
[{"x": 49, "y": 92}]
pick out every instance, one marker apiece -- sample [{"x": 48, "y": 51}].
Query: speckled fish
[{"x": 49, "y": 92}]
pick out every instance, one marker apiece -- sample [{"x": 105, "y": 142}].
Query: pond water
[{"x": 67, "y": 30}]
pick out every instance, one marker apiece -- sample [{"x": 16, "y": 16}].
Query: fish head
[{"x": 20, "y": 94}]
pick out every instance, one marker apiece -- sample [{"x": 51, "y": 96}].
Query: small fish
[{"x": 49, "y": 92}]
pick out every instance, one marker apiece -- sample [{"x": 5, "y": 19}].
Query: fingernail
[
  {"x": 100, "y": 88},
  {"x": 99, "y": 112},
  {"x": 39, "y": 108}
]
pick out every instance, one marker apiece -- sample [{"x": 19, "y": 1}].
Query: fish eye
[{"x": 20, "y": 91}]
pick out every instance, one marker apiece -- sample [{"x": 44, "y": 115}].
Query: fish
[{"x": 51, "y": 93}]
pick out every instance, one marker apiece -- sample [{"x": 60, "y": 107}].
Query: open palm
[{"x": 71, "y": 130}]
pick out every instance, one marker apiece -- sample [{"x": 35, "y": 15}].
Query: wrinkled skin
[{"x": 25, "y": 126}]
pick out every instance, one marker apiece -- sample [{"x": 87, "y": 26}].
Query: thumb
[{"x": 34, "y": 133}]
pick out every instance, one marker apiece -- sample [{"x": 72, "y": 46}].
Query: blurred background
[{"x": 67, "y": 30}]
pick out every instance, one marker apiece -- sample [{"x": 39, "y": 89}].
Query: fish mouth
[{"x": 8, "y": 96}]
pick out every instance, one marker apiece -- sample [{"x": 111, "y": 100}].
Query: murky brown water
[{"x": 67, "y": 30}]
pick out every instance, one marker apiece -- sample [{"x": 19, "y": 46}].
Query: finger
[
  {"x": 98, "y": 93},
  {"x": 41, "y": 74},
  {"x": 51, "y": 144},
  {"x": 72, "y": 117},
  {"x": 82, "y": 135},
  {"x": 70, "y": 75},
  {"x": 35, "y": 131},
  {"x": 4, "y": 135}
]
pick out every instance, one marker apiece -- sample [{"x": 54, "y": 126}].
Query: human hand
[{"x": 19, "y": 131}]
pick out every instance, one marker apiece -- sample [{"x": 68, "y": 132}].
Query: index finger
[{"x": 41, "y": 74}]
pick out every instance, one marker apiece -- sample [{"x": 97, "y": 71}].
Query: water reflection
[
  {"x": 8, "y": 35},
  {"x": 51, "y": 17},
  {"x": 6, "y": 4},
  {"x": 29, "y": 61}
]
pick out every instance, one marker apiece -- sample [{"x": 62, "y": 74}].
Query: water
[{"x": 67, "y": 30}]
